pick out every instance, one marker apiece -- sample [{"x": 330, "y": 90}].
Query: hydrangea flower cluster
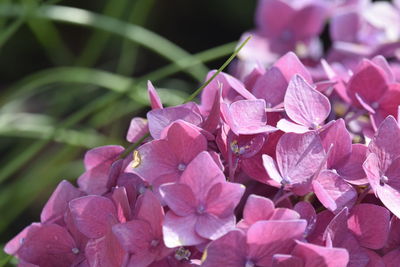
[{"x": 281, "y": 166}]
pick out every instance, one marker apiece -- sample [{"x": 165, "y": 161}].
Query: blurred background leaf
[{"x": 73, "y": 74}]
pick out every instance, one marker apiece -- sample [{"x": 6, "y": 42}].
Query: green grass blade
[{"x": 134, "y": 33}]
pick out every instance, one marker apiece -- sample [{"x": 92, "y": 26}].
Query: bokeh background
[{"x": 73, "y": 74}]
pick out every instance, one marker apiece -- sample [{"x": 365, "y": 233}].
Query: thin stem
[{"x": 198, "y": 91}]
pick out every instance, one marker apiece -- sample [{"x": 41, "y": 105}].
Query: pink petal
[
  {"x": 150, "y": 210},
  {"x": 307, "y": 212},
  {"x": 336, "y": 133},
  {"x": 267, "y": 18},
  {"x": 333, "y": 192},
  {"x": 48, "y": 245},
  {"x": 155, "y": 100},
  {"x": 105, "y": 251},
  {"x": 392, "y": 258},
  {"x": 212, "y": 227},
  {"x": 304, "y": 104},
  {"x": 246, "y": 117},
  {"x": 134, "y": 236},
  {"x": 290, "y": 65},
  {"x": 351, "y": 170},
  {"x": 315, "y": 256},
  {"x": 291, "y": 127},
  {"x": 159, "y": 119},
  {"x": 299, "y": 157},
  {"x": 369, "y": 81},
  {"x": 266, "y": 238},
  {"x": 180, "y": 231},
  {"x": 271, "y": 168},
  {"x": 137, "y": 129},
  {"x": 120, "y": 198},
  {"x": 200, "y": 181},
  {"x": 185, "y": 142},
  {"x": 257, "y": 208},
  {"x": 283, "y": 260},
  {"x": 229, "y": 86},
  {"x": 271, "y": 87},
  {"x": 179, "y": 198},
  {"x": 371, "y": 231},
  {"x": 57, "y": 204},
  {"x": 93, "y": 215},
  {"x": 223, "y": 198},
  {"x": 229, "y": 250}
]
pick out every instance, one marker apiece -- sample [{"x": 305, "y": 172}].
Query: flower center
[
  {"x": 182, "y": 254},
  {"x": 201, "y": 208},
  {"x": 383, "y": 180},
  {"x": 154, "y": 242},
  {"x": 75, "y": 250},
  {"x": 181, "y": 167},
  {"x": 249, "y": 263}
]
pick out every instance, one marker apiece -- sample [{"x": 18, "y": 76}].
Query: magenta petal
[
  {"x": 101, "y": 155},
  {"x": 386, "y": 143},
  {"x": 271, "y": 168},
  {"x": 333, "y": 192},
  {"x": 105, "y": 251},
  {"x": 290, "y": 65},
  {"x": 229, "y": 250},
  {"x": 212, "y": 227},
  {"x": 150, "y": 210},
  {"x": 93, "y": 215},
  {"x": 153, "y": 96},
  {"x": 368, "y": 81},
  {"x": 185, "y": 141},
  {"x": 304, "y": 104},
  {"x": 336, "y": 133},
  {"x": 48, "y": 245},
  {"x": 392, "y": 258},
  {"x": 308, "y": 213},
  {"x": 266, "y": 238},
  {"x": 57, "y": 204},
  {"x": 257, "y": 208},
  {"x": 351, "y": 170},
  {"x": 230, "y": 87},
  {"x": 247, "y": 117},
  {"x": 121, "y": 201},
  {"x": 97, "y": 164},
  {"x": 374, "y": 259},
  {"x": 200, "y": 182},
  {"x": 315, "y": 256},
  {"x": 159, "y": 119},
  {"x": 137, "y": 129},
  {"x": 283, "y": 260},
  {"x": 271, "y": 87},
  {"x": 223, "y": 198},
  {"x": 134, "y": 236},
  {"x": 299, "y": 157},
  {"x": 179, "y": 198},
  {"x": 371, "y": 231},
  {"x": 180, "y": 231},
  {"x": 267, "y": 17}
]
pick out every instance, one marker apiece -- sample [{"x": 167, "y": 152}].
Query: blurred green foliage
[{"x": 73, "y": 74}]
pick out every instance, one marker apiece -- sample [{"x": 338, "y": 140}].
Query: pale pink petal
[
  {"x": 304, "y": 104},
  {"x": 180, "y": 231},
  {"x": 212, "y": 227}
]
